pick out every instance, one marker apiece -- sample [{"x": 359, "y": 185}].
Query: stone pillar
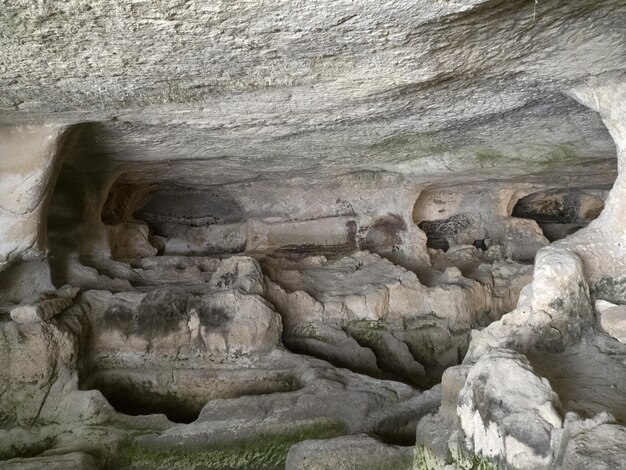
[
  {"x": 29, "y": 165},
  {"x": 92, "y": 234},
  {"x": 30, "y": 160},
  {"x": 602, "y": 244}
]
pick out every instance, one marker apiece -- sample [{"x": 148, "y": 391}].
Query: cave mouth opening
[
  {"x": 149, "y": 220},
  {"x": 127, "y": 400},
  {"x": 562, "y": 211},
  {"x": 136, "y": 392},
  {"x": 439, "y": 233},
  {"x": 144, "y": 219},
  {"x": 502, "y": 221}
]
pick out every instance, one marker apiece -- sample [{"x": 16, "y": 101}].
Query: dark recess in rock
[
  {"x": 195, "y": 208},
  {"x": 439, "y": 232},
  {"x": 561, "y": 212}
]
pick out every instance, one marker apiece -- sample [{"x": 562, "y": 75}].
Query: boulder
[
  {"x": 358, "y": 452},
  {"x": 44, "y": 306},
  {"x": 509, "y": 414},
  {"x": 612, "y": 319}
]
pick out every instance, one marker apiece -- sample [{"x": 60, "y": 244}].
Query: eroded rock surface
[
  {"x": 348, "y": 453},
  {"x": 242, "y": 235},
  {"x": 505, "y": 410},
  {"x": 348, "y": 308}
]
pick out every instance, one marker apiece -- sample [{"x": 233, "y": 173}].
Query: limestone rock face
[
  {"x": 612, "y": 319},
  {"x": 347, "y": 453},
  {"x": 29, "y": 165},
  {"x": 471, "y": 81},
  {"x": 346, "y": 309},
  {"x": 73, "y": 461},
  {"x": 601, "y": 245},
  {"x": 39, "y": 373},
  {"x": 507, "y": 413},
  {"x": 552, "y": 324},
  {"x": 600, "y": 447},
  {"x": 552, "y": 314},
  {"x": 312, "y": 234},
  {"x": 130, "y": 241},
  {"x": 223, "y": 324},
  {"x": 43, "y": 306}
]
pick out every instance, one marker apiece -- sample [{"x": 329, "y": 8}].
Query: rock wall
[
  {"x": 31, "y": 159},
  {"x": 306, "y": 235},
  {"x": 556, "y": 315}
]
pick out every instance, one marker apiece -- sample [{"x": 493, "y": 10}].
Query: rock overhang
[
  {"x": 307, "y": 142},
  {"x": 258, "y": 88}
]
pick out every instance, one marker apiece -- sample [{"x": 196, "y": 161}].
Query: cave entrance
[
  {"x": 137, "y": 392},
  {"x": 440, "y": 233},
  {"x": 127, "y": 399},
  {"x": 561, "y": 212},
  {"x": 170, "y": 220}
]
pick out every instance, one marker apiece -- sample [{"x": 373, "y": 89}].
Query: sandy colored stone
[
  {"x": 73, "y": 461},
  {"x": 361, "y": 173},
  {"x": 613, "y": 321},
  {"x": 348, "y": 453},
  {"x": 507, "y": 413}
]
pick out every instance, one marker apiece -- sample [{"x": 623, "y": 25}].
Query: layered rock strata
[{"x": 242, "y": 235}]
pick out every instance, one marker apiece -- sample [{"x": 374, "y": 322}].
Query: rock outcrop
[
  {"x": 343, "y": 234},
  {"x": 553, "y": 322}
]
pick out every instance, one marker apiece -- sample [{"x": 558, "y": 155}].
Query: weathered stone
[
  {"x": 373, "y": 181},
  {"x": 130, "y": 240},
  {"x": 169, "y": 322},
  {"x": 44, "y": 306},
  {"x": 507, "y": 413},
  {"x": 73, "y": 461},
  {"x": 553, "y": 312},
  {"x": 29, "y": 166},
  {"x": 348, "y": 453},
  {"x": 612, "y": 319},
  {"x": 601, "y": 447},
  {"x": 385, "y": 308},
  {"x": 38, "y": 371}
]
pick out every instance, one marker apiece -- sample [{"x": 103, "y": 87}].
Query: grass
[
  {"x": 426, "y": 460},
  {"x": 263, "y": 452}
]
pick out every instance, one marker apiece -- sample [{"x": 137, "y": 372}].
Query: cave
[
  {"x": 334, "y": 235},
  {"x": 561, "y": 212}
]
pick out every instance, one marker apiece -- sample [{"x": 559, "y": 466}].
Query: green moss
[
  {"x": 553, "y": 155},
  {"x": 407, "y": 146},
  {"x": 309, "y": 331},
  {"x": 367, "y": 338},
  {"x": 611, "y": 289},
  {"x": 368, "y": 324},
  {"x": 561, "y": 153},
  {"x": 264, "y": 452},
  {"x": 366, "y": 331},
  {"x": 424, "y": 350},
  {"x": 406, "y": 463},
  {"x": 396, "y": 142},
  {"x": 488, "y": 156},
  {"x": 31, "y": 446},
  {"x": 425, "y": 460}
]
